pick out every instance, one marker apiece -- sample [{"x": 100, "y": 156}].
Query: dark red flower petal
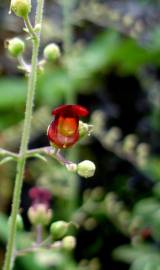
[
  {"x": 62, "y": 137},
  {"x": 76, "y": 109}
]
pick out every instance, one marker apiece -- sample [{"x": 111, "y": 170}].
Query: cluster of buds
[
  {"x": 117, "y": 212},
  {"x": 60, "y": 233},
  {"x": 138, "y": 152},
  {"x": 128, "y": 147},
  {"x": 16, "y": 46},
  {"x": 112, "y": 136},
  {"x": 63, "y": 132},
  {"x": 142, "y": 152},
  {"x": 66, "y": 129},
  {"x": 39, "y": 212}
]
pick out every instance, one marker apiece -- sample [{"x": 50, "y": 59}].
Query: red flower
[{"x": 63, "y": 130}]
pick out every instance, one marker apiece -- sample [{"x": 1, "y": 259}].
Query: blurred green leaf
[
  {"x": 147, "y": 262},
  {"x": 12, "y": 92},
  {"x": 152, "y": 168},
  {"x": 129, "y": 254},
  {"x": 146, "y": 208}
]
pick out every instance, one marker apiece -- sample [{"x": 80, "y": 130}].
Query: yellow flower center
[{"x": 67, "y": 126}]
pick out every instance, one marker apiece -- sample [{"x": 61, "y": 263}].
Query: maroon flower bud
[
  {"x": 39, "y": 195},
  {"x": 39, "y": 212},
  {"x": 63, "y": 130}
]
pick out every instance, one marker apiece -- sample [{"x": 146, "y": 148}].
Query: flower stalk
[{"x": 9, "y": 258}]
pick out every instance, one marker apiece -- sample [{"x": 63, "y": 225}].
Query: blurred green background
[{"x": 110, "y": 64}]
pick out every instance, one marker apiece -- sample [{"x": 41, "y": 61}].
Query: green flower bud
[
  {"x": 19, "y": 222},
  {"x": 39, "y": 214},
  {"x": 86, "y": 168},
  {"x": 58, "y": 229},
  {"x": 98, "y": 120},
  {"x": 15, "y": 46},
  {"x": 69, "y": 242},
  {"x": 84, "y": 129},
  {"x": 51, "y": 52},
  {"x": 129, "y": 143},
  {"x": 21, "y": 7},
  {"x": 112, "y": 136},
  {"x": 143, "y": 150}
]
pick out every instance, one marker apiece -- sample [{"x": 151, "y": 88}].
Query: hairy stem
[{"x": 9, "y": 258}]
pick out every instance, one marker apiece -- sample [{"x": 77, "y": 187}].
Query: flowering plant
[{"x": 63, "y": 132}]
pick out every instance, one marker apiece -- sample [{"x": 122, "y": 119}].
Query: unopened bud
[
  {"x": 51, "y": 52},
  {"x": 86, "y": 168},
  {"x": 84, "y": 129},
  {"x": 15, "y": 46},
  {"x": 98, "y": 119},
  {"x": 39, "y": 214},
  {"x": 112, "y": 136},
  {"x": 143, "y": 149},
  {"x": 21, "y": 7},
  {"x": 110, "y": 202},
  {"x": 59, "y": 229},
  {"x": 19, "y": 222},
  {"x": 142, "y": 154},
  {"x": 69, "y": 242},
  {"x": 129, "y": 143}
]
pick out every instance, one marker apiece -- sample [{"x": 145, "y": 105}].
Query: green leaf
[
  {"x": 129, "y": 254},
  {"x": 12, "y": 92},
  {"x": 147, "y": 262}
]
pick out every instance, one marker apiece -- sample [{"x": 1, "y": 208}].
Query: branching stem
[{"x": 9, "y": 258}]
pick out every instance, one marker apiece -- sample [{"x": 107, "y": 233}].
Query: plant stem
[
  {"x": 39, "y": 231},
  {"x": 9, "y": 259},
  {"x": 67, "y": 24},
  {"x": 30, "y": 28}
]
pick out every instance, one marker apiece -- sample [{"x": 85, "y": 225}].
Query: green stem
[
  {"x": 30, "y": 28},
  {"x": 9, "y": 258},
  {"x": 67, "y": 7}
]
